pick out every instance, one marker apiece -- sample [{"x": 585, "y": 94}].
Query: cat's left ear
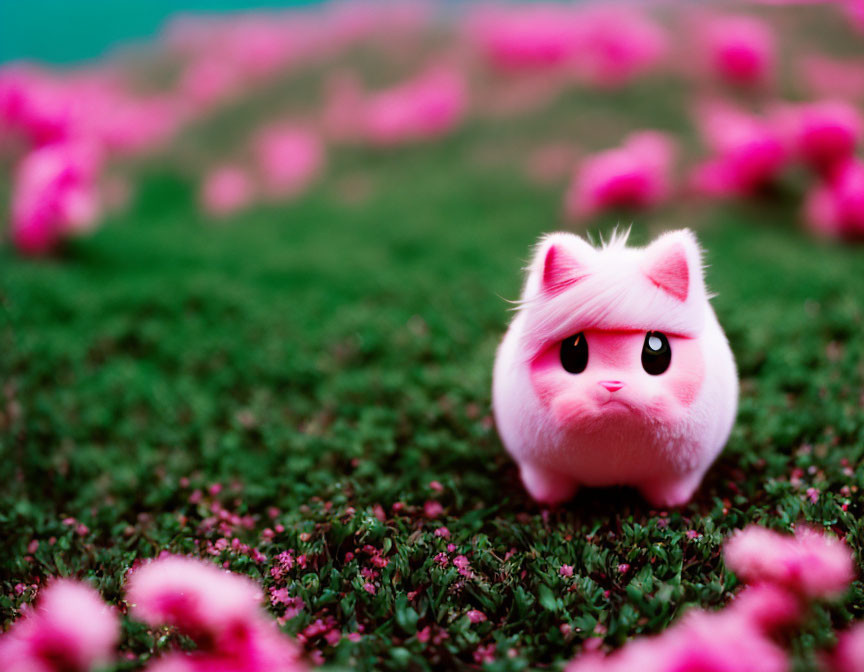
[{"x": 673, "y": 263}]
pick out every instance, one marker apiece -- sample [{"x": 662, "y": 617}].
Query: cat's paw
[
  {"x": 547, "y": 487},
  {"x": 673, "y": 493}
]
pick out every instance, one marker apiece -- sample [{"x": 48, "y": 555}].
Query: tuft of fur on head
[{"x": 572, "y": 286}]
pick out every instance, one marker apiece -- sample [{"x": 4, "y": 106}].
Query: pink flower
[
  {"x": 826, "y": 77},
  {"x": 616, "y": 44},
  {"x": 226, "y": 190},
  {"x": 484, "y": 654},
  {"x": 476, "y": 616},
  {"x": 442, "y": 532},
  {"x": 848, "y": 655},
  {"x": 70, "y": 630},
  {"x": 725, "y": 641},
  {"x": 54, "y": 196},
  {"x": 809, "y": 563},
  {"x": 543, "y": 36},
  {"x": 289, "y": 159},
  {"x": 436, "y": 486},
  {"x": 427, "y": 106},
  {"x": 740, "y": 50},
  {"x": 823, "y": 134},
  {"x": 635, "y": 175},
  {"x": 432, "y": 509},
  {"x": 767, "y": 606},
  {"x": 218, "y": 610},
  {"x": 195, "y": 596},
  {"x": 369, "y": 588},
  {"x": 835, "y": 208},
  {"x": 566, "y": 570},
  {"x": 749, "y": 152}
]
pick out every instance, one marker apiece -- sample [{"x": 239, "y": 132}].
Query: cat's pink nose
[{"x": 612, "y": 385}]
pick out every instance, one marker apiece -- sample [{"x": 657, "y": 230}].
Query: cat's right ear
[{"x": 560, "y": 262}]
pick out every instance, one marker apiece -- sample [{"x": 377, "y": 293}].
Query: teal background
[{"x": 68, "y": 31}]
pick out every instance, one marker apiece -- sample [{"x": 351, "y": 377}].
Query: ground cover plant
[{"x": 300, "y": 390}]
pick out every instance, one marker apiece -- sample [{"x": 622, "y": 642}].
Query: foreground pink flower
[
  {"x": 848, "y": 655},
  {"x": 749, "y": 152},
  {"x": 635, "y": 175},
  {"x": 194, "y": 596},
  {"x": 739, "y": 50},
  {"x": 724, "y": 641},
  {"x": 289, "y": 158},
  {"x": 835, "y": 208},
  {"x": 220, "y": 611},
  {"x": 54, "y": 196},
  {"x": 70, "y": 630},
  {"x": 226, "y": 190},
  {"x": 809, "y": 563}
]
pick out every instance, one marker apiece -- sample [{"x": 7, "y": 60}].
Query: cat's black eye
[
  {"x": 574, "y": 353},
  {"x": 656, "y": 353}
]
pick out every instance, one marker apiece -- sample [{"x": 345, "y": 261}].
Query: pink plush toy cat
[{"x": 615, "y": 370}]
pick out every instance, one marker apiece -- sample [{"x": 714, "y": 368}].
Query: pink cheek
[
  {"x": 688, "y": 370},
  {"x": 547, "y": 376}
]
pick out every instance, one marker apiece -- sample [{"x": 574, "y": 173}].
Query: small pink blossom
[
  {"x": 566, "y": 570},
  {"x": 476, "y": 616},
  {"x": 442, "y": 532},
  {"x": 369, "y": 588},
  {"x": 432, "y": 508}
]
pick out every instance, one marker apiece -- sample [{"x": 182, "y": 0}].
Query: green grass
[{"x": 332, "y": 360}]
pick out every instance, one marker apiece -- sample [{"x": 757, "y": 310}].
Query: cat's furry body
[{"x": 614, "y": 423}]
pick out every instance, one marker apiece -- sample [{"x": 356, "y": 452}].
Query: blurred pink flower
[
  {"x": 220, "y": 611},
  {"x": 70, "y": 630},
  {"x": 226, "y": 190},
  {"x": 724, "y": 641},
  {"x": 525, "y": 37},
  {"x": 827, "y": 77},
  {"x": 809, "y": 563},
  {"x": 634, "y": 175},
  {"x": 823, "y": 134},
  {"x": 476, "y": 616},
  {"x": 424, "y": 107},
  {"x": 195, "y": 596},
  {"x": 54, "y": 196},
  {"x": 848, "y": 655},
  {"x": 767, "y": 606},
  {"x": 835, "y": 208},
  {"x": 739, "y": 50},
  {"x": 289, "y": 158},
  {"x": 749, "y": 152},
  {"x": 616, "y": 44}
]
